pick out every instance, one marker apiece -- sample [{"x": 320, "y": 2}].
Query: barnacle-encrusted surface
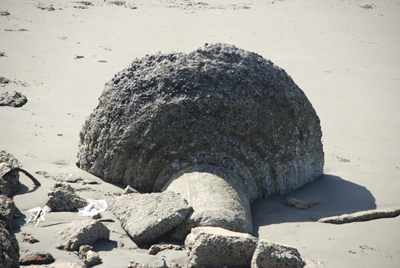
[{"x": 218, "y": 105}]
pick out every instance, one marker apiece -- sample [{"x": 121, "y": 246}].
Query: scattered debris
[
  {"x": 79, "y": 57},
  {"x": 154, "y": 249},
  {"x": 47, "y": 8},
  {"x": 4, "y": 13},
  {"x": 94, "y": 207},
  {"x": 367, "y": 6},
  {"x": 37, "y": 214}
]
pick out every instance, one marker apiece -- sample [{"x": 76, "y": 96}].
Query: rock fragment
[
  {"x": 83, "y": 232},
  {"x": 145, "y": 217},
  {"x": 154, "y": 249},
  {"x": 272, "y": 255},
  {"x": 214, "y": 246},
  {"x": 300, "y": 204},
  {"x": 9, "y": 179},
  {"x": 362, "y": 216},
  {"x": 36, "y": 258},
  {"x": 91, "y": 258},
  {"x": 13, "y": 99},
  {"x": 9, "y": 249},
  {"x": 29, "y": 238},
  {"x": 62, "y": 197}
]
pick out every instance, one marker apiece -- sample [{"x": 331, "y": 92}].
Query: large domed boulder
[{"x": 218, "y": 105}]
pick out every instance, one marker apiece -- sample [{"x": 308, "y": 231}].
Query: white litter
[
  {"x": 37, "y": 214},
  {"x": 94, "y": 207}
]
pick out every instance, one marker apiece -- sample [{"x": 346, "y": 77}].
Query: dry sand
[{"x": 343, "y": 54}]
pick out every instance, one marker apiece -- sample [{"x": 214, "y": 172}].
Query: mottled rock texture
[
  {"x": 154, "y": 249},
  {"x": 218, "y": 198},
  {"x": 9, "y": 180},
  {"x": 217, "y": 247},
  {"x": 145, "y": 217},
  {"x": 14, "y": 99},
  {"x": 272, "y": 255},
  {"x": 83, "y": 232},
  {"x": 36, "y": 258},
  {"x": 217, "y": 105},
  {"x": 62, "y": 197},
  {"x": 9, "y": 248}
]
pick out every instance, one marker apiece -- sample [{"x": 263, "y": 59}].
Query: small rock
[
  {"x": 97, "y": 216},
  {"x": 91, "y": 258},
  {"x": 36, "y": 258},
  {"x": 62, "y": 197},
  {"x": 14, "y": 99},
  {"x": 130, "y": 190},
  {"x": 83, "y": 232},
  {"x": 83, "y": 249},
  {"x": 154, "y": 249},
  {"x": 214, "y": 246},
  {"x": 29, "y": 238},
  {"x": 268, "y": 254},
  {"x": 296, "y": 203}
]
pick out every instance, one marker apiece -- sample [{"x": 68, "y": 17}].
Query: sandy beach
[{"x": 343, "y": 54}]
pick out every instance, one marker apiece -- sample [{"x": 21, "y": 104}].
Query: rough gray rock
[
  {"x": 300, "y": 204},
  {"x": 91, "y": 258},
  {"x": 147, "y": 216},
  {"x": 154, "y": 249},
  {"x": 214, "y": 246},
  {"x": 9, "y": 180},
  {"x": 83, "y": 232},
  {"x": 9, "y": 249},
  {"x": 362, "y": 216},
  {"x": 14, "y": 99},
  {"x": 217, "y": 105},
  {"x": 272, "y": 255},
  {"x": 217, "y": 196},
  {"x": 62, "y": 197}
]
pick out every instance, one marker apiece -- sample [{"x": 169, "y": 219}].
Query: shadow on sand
[{"x": 336, "y": 197}]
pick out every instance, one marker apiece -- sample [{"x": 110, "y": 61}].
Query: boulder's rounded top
[{"x": 218, "y": 105}]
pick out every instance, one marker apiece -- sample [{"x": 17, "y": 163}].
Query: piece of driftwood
[{"x": 5, "y": 172}]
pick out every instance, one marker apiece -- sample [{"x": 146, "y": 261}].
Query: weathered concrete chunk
[
  {"x": 62, "y": 197},
  {"x": 214, "y": 246},
  {"x": 36, "y": 258},
  {"x": 300, "y": 204},
  {"x": 83, "y": 232},
  {"x": 362, "y": 216},
  {"x": 14, "y": 99},
  {"x": 272, "y": 255},
  {"x": 147, "y": 216},
  {"x": 217, "y": 196},
  {"x": 217, "y": 105}
]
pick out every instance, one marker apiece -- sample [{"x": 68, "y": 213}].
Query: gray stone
[
  {"x": 147, "y": 216},
  {"x": 29, "y": 238},
  {"x": 154, "y": 249},
  {"x": 217, "y": 196},
  {"x": 272, "y": 255},
  {"x": 9, "y": 248},
  {"x": 9, "y": 180},
  {"x": 130, "y": 190},
  {"x": 300, "y": 204},
  {"x": 217, "y": 105},
  {"x": 214, "y": 246},
  {"x": 14, "y": 99},
  {"x": 62, "y": 197},
  {"x": 83, "y": 249},
  {"x": 362, "y": 216},
  {"x": 83, "y": 232},
  {"x": 91, "y": 258}
]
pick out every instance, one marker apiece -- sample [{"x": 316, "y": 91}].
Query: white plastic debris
[
  {"x": 94, "y": 207},
  {"x": 37, "y": 214}
]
